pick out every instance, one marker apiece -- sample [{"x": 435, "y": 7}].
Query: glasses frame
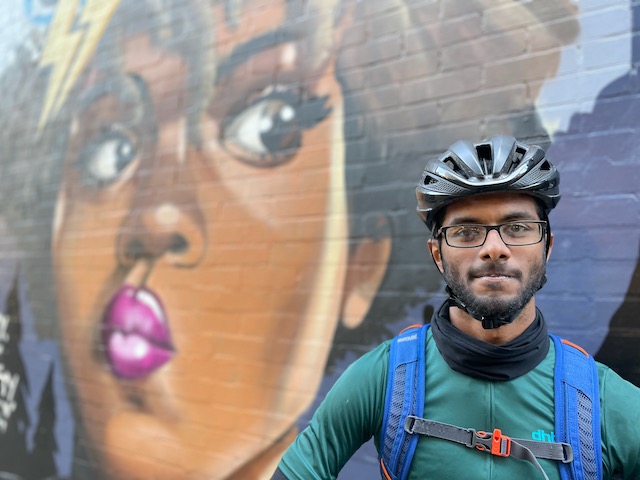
[{"x": 442, "y": 232}]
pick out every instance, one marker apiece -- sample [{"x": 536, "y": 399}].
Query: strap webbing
[
  {"x": 576, "y": 391},
  {"x": 494, "y": 443},
  {"x": 405, "y": 396}
]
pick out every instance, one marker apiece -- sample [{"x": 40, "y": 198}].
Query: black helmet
[{"x": 498, "y": 164}]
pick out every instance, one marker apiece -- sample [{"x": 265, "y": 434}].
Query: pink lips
[{"x": 135, "y": 334}]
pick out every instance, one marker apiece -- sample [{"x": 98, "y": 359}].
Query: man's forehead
[{"x": 501, "y": 205}]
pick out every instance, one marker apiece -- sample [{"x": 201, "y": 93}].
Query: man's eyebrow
[
  {"x": 524, "y": 215},
  {"x": 510, "y": 217},
  {"x": 245, "y": 51}
]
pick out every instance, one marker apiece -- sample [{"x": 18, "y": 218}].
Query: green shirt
[{"x": 522, "y": 408}]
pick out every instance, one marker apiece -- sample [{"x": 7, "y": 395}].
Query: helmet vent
[
  {"x": 485, "y": 157},
  {"x": 515, "y": 159},
  {"x": 449, "y": 162},
  {"x": 517, "y": 155},
  {"x": 429, "y": 180},
  {"x": 546, "y": 166}
]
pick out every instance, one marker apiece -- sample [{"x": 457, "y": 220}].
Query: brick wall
[{"x": 208, "y": 208}]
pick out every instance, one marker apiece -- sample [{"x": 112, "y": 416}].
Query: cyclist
[{"x": 489, "y": 359}]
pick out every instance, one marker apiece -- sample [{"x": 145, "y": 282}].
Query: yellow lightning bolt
[{"x": 68, "y": 50}]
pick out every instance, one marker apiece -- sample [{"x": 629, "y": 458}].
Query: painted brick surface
[{"x": 208, "y": 210}]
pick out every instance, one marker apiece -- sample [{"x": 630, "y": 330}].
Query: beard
[{"x": 494, "y": 310}]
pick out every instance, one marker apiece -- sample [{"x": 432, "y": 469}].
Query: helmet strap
[{"x": 488, "y": 323}]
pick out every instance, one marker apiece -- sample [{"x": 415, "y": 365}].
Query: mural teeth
[
  {"x": 130, "y": 346},
  {"x": 150, "y": 301}
]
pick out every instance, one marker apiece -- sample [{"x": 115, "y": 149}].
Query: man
[{"x": 489, "y": 359}]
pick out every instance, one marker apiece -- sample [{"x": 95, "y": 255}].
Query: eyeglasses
[{"x": 516, "y": 234}]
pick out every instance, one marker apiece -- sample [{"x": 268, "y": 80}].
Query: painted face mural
[
  {"x": 193, "y": 297},
  {"x": 212, "y": 189}
]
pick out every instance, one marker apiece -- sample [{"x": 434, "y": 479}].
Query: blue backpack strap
[
  {"x": 405, "y": 396},
  {"x": 577, "y": 414}
]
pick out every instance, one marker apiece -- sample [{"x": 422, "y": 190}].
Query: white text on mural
[{"x": 8, "y": 382}]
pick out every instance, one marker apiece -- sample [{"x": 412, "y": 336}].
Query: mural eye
[
  {"x": 107, "y": 156},
  {"x": 268, "y": 132}
]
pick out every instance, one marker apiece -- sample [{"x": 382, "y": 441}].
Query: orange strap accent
[
  {"x": 567, "y": 342},
  {"x": 415, "y": 325},
  {"x": 384, "y": 470}
]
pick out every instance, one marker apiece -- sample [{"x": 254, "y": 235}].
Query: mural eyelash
[{"x": 268, "y": 131}]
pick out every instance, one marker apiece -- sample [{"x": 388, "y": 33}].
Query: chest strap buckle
[{"x": 496, "y": 443}]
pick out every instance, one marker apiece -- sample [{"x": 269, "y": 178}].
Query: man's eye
[
  {"x": 517, "y": 228},
  {"x": 269, "y": 131},
  {"x": 466, "y": 233},
  {"x": 107, "y": 156}
]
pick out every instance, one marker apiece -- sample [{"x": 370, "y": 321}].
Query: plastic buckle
[
  {"x": 473, "y": 439},
  {"x": 481, "y": 441},
  {"x": 500, "y": 444},
  {"x": 494, "y": 443},
  {"x": 567, "y": 450},
  {"x": 409, "y": 423}
]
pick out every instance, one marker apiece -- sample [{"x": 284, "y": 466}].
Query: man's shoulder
[
  {"x": 611, "y": 382},
  {"x": 375, "y": 358}
]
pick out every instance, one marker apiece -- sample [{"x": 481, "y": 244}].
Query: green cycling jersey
[{"x": 522, "y": 408}]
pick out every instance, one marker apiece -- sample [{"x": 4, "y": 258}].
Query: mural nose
[{"x": 167, "y": 231}]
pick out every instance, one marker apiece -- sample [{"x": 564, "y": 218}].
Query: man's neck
[{"x": 496, "y": 336}]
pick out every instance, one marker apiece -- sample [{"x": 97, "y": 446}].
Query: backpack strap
[
  {"x": 405, "y": 396},
  {"x": 495, "y": 443},
  {"x": 577, "y": 414}
]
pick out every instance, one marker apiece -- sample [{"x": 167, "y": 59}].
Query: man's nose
[{"x": 494, "y": 247}]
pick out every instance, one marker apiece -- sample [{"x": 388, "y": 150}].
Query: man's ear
[
  {"x": 434, "y": 249},
  {"x": 551, "y": 238},
  {"x": 367, "y": 266}
]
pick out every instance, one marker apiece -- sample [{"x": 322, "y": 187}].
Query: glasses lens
[
  {"x": 521, "y": 233},
  {"x": 465, "y": 235}
]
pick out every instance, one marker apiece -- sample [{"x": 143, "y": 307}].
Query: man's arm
[
  {"x": 620, "y": 422},
  {"x": 350, "y": 415}
]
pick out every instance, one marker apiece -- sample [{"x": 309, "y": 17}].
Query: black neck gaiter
[{"x": 486, "y": 361}]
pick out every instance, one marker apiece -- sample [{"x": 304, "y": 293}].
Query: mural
[{"x": 207, "y": 212}]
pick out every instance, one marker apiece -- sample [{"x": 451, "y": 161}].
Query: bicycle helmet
[{"x": 497, "y": 164}]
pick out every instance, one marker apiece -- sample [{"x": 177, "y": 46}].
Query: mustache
[{"x": 494, "y": 270}]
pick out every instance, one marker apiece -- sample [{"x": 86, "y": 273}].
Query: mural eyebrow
[
  {"x": 130, "y": 91},
  {"x": 94, "y": 93},
  {"x": 126, "y": 88},
  {"x": 245, "y": 51}
]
